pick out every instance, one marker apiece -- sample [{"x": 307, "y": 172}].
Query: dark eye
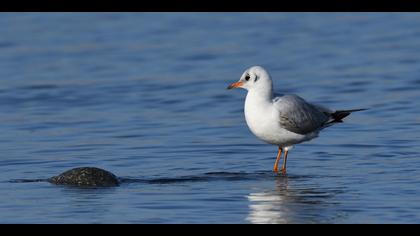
[{"x": 247, "y": 77}]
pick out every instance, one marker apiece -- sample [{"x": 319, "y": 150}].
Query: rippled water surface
[{"x": 143, "y": 96}]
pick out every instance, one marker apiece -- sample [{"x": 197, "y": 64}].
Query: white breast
[{"x": 262, "y": 119}]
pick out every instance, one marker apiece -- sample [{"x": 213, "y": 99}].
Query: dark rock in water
[{"x": 86, "y": 176}]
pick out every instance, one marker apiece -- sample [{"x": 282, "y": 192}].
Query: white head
[{"x": 255, "y": 78}]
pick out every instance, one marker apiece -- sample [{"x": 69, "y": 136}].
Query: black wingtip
[
  {"x": 354, "y": 110},
  {"x": 339, "y": 115}
]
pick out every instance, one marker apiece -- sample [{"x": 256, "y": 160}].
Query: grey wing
[{"x": 299, "y": 116}]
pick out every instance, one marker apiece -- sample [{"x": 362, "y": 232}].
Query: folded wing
[{"x": 298, "y": 116}]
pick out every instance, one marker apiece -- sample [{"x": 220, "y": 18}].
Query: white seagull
[{"x": 283, "y": 120}]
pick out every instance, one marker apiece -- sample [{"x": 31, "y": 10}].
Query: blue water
[{"x": 143, "y": 96}]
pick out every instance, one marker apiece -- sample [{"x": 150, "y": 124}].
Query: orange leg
[
  {"x": 283, "y": 168},
  {"x": 276, "y": 164}
]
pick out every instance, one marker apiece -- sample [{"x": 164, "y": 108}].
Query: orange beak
[{"x": 235, "y": 85}]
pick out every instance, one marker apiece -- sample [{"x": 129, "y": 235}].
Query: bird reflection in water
[{"x": 286, "y": 204}]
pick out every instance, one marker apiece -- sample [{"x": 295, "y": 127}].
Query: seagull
[{"x": 282, "y": 120}]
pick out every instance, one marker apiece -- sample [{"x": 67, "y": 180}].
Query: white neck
[
  {"x": 257, "y": 100},
  {"x": 262, "y": 94}
]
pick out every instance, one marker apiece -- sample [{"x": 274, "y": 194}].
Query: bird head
[{"x": 253, "y": 78}]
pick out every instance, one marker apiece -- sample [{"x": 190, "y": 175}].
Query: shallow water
[{"x": 143, "y": 96}]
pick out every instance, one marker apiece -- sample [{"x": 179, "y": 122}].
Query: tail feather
[{"x": 339, "y": 115}]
